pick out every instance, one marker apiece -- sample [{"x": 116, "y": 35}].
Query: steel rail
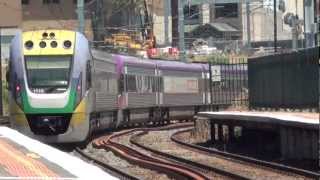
[
  {"x": 120, "y": 174},
  {"x": 228, "y": 155},
  {"x": 192, "y": 164},
  {"x": 173, "y": 169}
]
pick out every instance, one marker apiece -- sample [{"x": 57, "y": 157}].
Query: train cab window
[{"x": 48, "y": 74}]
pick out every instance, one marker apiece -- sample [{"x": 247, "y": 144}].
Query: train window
[
  {"x": 173, "y": 84},
  {"x": 112, "y": 84},
  {"x": 141, "y": 84},
  {"x": 48, "y": 74},
  {"x": 148, "y": 85},
  {"x": 131, "y": 83},
  {"x": 121, "y": 83}
]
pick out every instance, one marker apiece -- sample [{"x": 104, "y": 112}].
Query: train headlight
[
  {"x": 42, "y": 44},
  {"x": 28, "y": 45},
  {"x": 54, "y": 44},
  {"x": 67, "y": 44},
  {"x": 52, "y": 35},
  {"x": 45, "y": 35}
]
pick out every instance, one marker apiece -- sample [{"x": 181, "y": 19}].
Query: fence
[
  {"x": 229, "y": 82},
  {"x": 285, "y": 81}
]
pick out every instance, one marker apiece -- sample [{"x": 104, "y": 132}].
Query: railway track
[
  {"x": 174, "y": 170},
  {"x": 236, "y": 157},
  {"x": 118, "y": 173},
  {"x": 242, "y": 169},
  {"x": 191, "y": 164}
]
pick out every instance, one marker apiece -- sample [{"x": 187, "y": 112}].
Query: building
[
  {"x": 25, "y": 15},
  {"x": 53, "y": 14},
  {"x": 10, "y": 23}
]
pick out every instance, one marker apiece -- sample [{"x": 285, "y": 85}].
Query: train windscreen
[{"x": 48, "y": 74}]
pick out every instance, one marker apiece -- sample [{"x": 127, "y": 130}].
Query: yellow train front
[{"x": 49, "y": 85}]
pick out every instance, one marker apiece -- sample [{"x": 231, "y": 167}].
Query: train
[{"x": 61, "y": 90}]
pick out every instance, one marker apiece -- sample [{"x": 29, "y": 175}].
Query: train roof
[
  {"x": 180, "y": 66},
  {"x": 134, "y": 61},
  {"x": 122, "y": 60}
]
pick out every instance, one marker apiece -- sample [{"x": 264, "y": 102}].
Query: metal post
[
  {"x": 275, "y": 24},
  {"x": 167, "y": 9},
  {"x": 295, "y": 34},
  {"x": 248, "y": 23},
  {"x": 80, "y": 11},
  {"x": 181, "y": 30},
  {"x": 210, "y": 86}
]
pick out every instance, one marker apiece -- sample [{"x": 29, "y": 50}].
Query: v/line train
[{"x": 60, "y": 90}]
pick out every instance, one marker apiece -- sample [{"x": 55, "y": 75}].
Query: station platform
[
  {"x": 276, "y": 119},
  {"x": 24, "y": 158},
  {"x": 297, "y": 133}
]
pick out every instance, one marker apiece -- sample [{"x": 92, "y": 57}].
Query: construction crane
[{"x": 130, "y": 38}]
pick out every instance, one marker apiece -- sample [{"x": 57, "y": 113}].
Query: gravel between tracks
[
  {"x": 126, "y": 141},
  {"x": 115, "y": 161},
  {"x": 160, "y": 140}
]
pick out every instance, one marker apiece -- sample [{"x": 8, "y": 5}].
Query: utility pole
[
  {"x": 248, "y": 24},
  {"x": 181, "y": 30},
  {"x": 309, "y": 23},
  {"x": 275, "y": 24},
  {"x": 167, "y": 10},
  {"x": 1, "y": 105},
  {"x": 80, "y": 11},
  {"x": 99, "y": 20}
]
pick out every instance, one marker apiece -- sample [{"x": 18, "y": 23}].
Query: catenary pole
[
  {"x": 167, "y": 6},
  {"x": 80, "y": 11},
  {"x": 181, "y": 30},
  {"x": 275, "y": 24},
  {"x": 248, "y": 23}
]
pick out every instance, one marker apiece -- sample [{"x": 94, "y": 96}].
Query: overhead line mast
[{"x": 80, "y": 11}]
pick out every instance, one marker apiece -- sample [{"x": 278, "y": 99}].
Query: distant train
[{"x": 61, "y": 91}]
